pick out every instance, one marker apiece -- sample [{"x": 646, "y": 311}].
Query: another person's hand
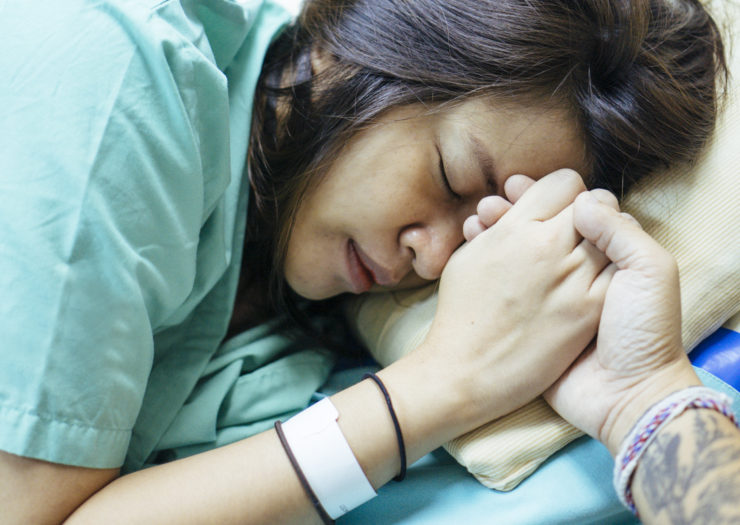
[
  {"x": 672, "y": 465},
  {"x": 637, "y": 358}
]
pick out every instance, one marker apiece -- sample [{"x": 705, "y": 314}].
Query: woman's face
[{"x": 389, "y": 211}]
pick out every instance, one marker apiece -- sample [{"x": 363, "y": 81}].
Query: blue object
[{"x": 719, "y": 354}]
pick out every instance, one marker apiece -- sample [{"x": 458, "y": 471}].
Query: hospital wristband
[
  {"x": 324, "y": 461},
  {"x": 657, "y": 416}
]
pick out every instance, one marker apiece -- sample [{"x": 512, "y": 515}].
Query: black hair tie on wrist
[
  {"x": 396, "y": 425},
  {"x": 299, "y": 472}
]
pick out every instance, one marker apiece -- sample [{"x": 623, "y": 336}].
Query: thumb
[{"x": 617, "y": 234}]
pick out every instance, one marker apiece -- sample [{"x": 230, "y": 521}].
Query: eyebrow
[{"x": 485, "y": 163}]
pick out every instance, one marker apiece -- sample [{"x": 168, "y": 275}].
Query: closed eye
[{"x": 445, "y": 179}]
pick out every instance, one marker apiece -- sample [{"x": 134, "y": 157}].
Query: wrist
[
  {"x": 641, "y": 396},
  {"x": 421, "y": 409},
  {"x": 421, "y": 419},
  {"x": 430, "y": 406},
  {"x": 652, "y": 425}
]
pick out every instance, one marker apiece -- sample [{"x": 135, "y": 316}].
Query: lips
[
  {"x": 365, "y": 272},
  {"x": 361, "y": 277}
]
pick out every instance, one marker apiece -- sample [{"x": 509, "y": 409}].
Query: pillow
[{"x": 692, "y": 210}]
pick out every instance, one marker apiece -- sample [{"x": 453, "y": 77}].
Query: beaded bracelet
[
  {"x": 657, "y": 416},
  {"x": 396, "y": 425}
]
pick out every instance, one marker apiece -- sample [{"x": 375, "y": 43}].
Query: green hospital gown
[{"x": 123, "y": 136}]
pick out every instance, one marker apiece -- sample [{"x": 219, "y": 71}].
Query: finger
[
  {"x": 601, "y": 283},
  {"x": 491, "y": 209},
  {"x": 472, "y": 227},
  {"x": 548, "y": 196},
  {"x": 554, "y": 395},
  {"x": 606, "y": 197},
  {"x": 587, "y": 262},
  {"x": 631, "y": 219},
  {"x": 617, "y": 235},
  {"x": 566, "y": 217},
  {"x": 516, "y": 185},
  {"x": 567, "y": 233}
]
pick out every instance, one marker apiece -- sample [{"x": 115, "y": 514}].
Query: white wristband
[{"x": 327, "y": 461}]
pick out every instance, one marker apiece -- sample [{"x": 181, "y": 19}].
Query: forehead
[
  {"x": 483, "y": 134},
  {"x": 494, "y": 118},
  {"x": 518, "y": 137}
]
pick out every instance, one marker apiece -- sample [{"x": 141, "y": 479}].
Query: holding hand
[
  {"x": 677, "y": 450},
  {"x": 518, "y": 302},
  {"x": 638, "y": 357}
]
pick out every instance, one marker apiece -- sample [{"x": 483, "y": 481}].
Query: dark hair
[{"x": 639, "y": 76}]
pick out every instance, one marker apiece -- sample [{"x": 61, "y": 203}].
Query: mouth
[
  {"x": 368, "y": 270},
  {"x": 361, "y": 277}
]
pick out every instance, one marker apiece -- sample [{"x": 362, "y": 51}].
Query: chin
[
  {"x": 408, "y": 283},
  {"x": 310, "y": 290}
]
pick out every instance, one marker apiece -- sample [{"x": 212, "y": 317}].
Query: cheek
[
  {"x": 314, "y": 251},
  {"x": 307, "y": 268},
  {"x": 294, "y": 257},
  {"x": 299, "y": 253}
]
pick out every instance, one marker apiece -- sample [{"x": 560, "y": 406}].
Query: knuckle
[
  {"x": 606, "y": 197},
  {"x": 630, "y": 219},
  {"x": 669, "y": 264},
  {"x": 570, "y": 177}
]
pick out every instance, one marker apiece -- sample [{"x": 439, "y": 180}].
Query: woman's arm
[
  {"x": 251, "y": 481},
  {"x": 511, "y": 317},
  {"x": 39, "y": 492}
]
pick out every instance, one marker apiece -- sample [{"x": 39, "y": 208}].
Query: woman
[{"x": 377, "y": 129}]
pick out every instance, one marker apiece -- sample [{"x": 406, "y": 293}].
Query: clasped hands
[{"x": 567, "y": 262}]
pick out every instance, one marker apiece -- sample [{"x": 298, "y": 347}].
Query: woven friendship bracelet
[
  {"x": 644, "y": 432},
  {"x": 396, "y": 425}
]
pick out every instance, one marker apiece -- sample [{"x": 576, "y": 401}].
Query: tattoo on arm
[{"x": 690, "y": 474}]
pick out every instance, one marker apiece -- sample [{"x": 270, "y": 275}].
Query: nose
[{"x": 431, "y": 246}]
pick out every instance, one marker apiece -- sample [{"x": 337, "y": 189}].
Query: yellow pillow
[{"x": 693, "y": 211}]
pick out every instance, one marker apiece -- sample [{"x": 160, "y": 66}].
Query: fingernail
[{"x": 602, "y": 196}]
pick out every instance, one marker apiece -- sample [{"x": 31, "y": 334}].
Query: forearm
[
  {"x": 689, "y": 469},
  {"x": 252, "y": 481},
  {"x": 247, "y": 482},
  {"x": 691, "y": 472},
  {"x": 43, "y": 493}
]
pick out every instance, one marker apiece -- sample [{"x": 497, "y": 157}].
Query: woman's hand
[
  {"x": 517, "y": 303},
  {"x": 489, "y": 210},
  {"x": 638, "y": 357}
]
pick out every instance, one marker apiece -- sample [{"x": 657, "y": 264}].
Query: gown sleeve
[{"x": 102, "y": 198}]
